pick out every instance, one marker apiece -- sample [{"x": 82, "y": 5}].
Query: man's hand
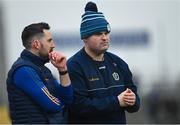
[
  {"x": 58, "y": 60},
  {"x": 127, "y": 98}
]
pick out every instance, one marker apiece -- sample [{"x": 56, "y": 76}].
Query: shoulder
[
  {"x": 78, "y": 62},
  {"x": 76, "y": 59},
  {"x": 17, "y": 65},
  {"x": 25, "y": 71},
  {"x": 24, "y": 68},
  {"x": 21, "y": 63},
  {"x": 116, "y": 58},
  {"x": 24, "y": 74}
]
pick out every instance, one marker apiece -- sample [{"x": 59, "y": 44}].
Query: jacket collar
[{"x": 27, "y": 55}]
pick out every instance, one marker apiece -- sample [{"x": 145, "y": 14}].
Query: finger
[
  {"x": 53, "y": 58},
  {"x": 129, "y": 102},
  {"x": 129, "y": 98},
  {"x": 60, "y": 58},
  {"x": 128, "y": 90},
  {"x": 52, "y": 55},
  {"x": 57, "y": 56},
  {"x": 129, "y": 94}
]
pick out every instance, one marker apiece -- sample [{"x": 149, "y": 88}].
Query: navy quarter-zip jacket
[{"x": 96, "y": 87}]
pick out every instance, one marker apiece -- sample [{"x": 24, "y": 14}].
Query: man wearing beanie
[{"x": 102, "y": 81}]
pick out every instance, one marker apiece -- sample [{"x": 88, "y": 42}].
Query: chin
[
  {"x": 103, "y": 51},
  {"x": 46, "y": 57}
]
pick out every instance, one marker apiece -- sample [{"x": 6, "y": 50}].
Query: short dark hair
[{"x": 32, "y": 30}]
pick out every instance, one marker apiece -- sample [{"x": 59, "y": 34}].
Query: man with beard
[
  {"x": 33, "y": 93},
  {"x": 102, "y": 81}
]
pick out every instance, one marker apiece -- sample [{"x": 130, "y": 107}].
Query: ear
[
  {"x": 36, "y": 44},
  {"x": 85, "y": 40}
]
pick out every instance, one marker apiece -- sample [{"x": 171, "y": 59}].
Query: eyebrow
[{"x": 50, "y": 39}]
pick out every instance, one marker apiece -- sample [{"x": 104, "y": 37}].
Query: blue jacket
[
  {"x": 34, "y": 95},
  {"x": 96, "y": 87}
]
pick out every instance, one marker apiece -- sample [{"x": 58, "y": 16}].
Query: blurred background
[{"x": 144, "y": 33}]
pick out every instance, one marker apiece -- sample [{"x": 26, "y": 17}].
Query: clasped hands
[{"x": 127, "y": 98}]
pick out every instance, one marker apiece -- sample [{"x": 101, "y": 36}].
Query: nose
[
  {"x": 104, "y": 36},
  {"x": 53, "y": 44}
]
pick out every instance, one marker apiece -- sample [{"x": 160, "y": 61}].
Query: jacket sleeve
[
  {"x": 65, "y": 94},
  {"x": 28, "y": 81},
  {"x": 83, "y": 103},
  {"x": 130, "y": 84}
]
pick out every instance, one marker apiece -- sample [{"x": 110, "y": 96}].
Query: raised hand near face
[{"x": 58, "y": 60}]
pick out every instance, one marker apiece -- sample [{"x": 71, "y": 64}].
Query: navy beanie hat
[{"x": 93, "y": 21}]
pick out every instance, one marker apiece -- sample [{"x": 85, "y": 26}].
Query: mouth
[
  {"x": 50, "y": 50},
  {"x": 105, "y": 44}
]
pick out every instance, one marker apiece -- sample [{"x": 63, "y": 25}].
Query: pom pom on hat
[
  {"x": 93, "y": 21},
  {"x": 90, "y": 6}
]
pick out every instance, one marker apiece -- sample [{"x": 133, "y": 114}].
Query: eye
[
  {"x": 101, "y": 33},
  {"x": 98, "y": 34},
  {"x": 49, "y": 40},
  {"x": 106, "y": 33}
]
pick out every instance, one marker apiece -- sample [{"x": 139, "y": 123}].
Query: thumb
[{"x": 128, "y": 90}]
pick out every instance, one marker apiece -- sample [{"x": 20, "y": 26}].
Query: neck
[
  {"x": 35, "y": 57},
  {"x": 33, "y": 51},
  {"x": 94, "y": 56}
]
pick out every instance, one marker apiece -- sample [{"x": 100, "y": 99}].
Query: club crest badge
[{"x": 115, "y": 76}]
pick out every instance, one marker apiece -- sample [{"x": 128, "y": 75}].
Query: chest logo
[
  {"x": 115, "y": 76},
  {"x": 93, "y": 79}
]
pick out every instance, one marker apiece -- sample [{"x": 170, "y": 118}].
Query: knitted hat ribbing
[{"x": 93, "y": 21}]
